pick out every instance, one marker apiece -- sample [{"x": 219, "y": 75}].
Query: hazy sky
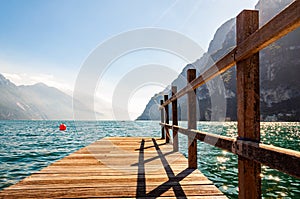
[{"x": 48, "y": 41}]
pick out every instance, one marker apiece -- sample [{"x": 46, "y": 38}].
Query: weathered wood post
[
  {"x": 167, "y": 119},
  {"x": 248, "y": 112},
  {"x": 174, "y": 120},
  {"x": 192, "y": 122},
  {"x": 162, "y": 120}
]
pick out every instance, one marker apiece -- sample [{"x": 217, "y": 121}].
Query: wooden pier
[
  {"x": 118, "y": 167},
  {"x": 151, "y": 167}
]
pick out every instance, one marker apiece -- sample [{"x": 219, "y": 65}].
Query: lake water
[{"x": 28, "y": 146}]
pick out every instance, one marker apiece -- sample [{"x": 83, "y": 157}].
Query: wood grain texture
[
  {"x": 167, "y": 118},
  {"x": 118, "y": 167},
  {"x": 162, "y": 120},
  {"x": 175, "y": 120},
  {"x": 192, "y": 120},
  {"x": 272, "y": 156},
  {"x": 248, "y": 111}
]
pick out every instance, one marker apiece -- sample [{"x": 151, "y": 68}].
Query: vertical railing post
[
  {"x": 167, "y": 119},
  {"x": 174, "y": 120},
  {"x": 248, "y": 107},
  {"x": 192, "y": 122},
  {"x": 162, "y": 120}
]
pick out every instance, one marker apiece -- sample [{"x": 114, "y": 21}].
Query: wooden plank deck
[{"x": 117, "y": 167}]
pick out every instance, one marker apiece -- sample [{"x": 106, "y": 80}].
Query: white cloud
[
  {"x": 28, "y": 72},
  {"x": 30, "y": 79}
]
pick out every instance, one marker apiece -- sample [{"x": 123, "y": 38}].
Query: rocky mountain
[
  {"x": 37, "y": 101},
  {"x": 279, "y": 67}
]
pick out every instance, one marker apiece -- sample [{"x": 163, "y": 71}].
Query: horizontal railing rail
[
  {"x": 251, "y": 153},
  {"x": 269, "y": 155},
  {"x": 283, "y": 23}
]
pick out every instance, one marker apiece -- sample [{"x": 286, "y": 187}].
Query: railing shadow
[
  {"x": 141, "y": 181},
  {"x": 173, "y": 182}
]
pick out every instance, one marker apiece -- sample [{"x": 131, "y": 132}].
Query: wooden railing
[{"x": 251, "y": 153}]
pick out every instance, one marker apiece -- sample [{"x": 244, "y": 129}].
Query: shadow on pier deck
[
  {"x": 150, "y": 168},
  {"x": 117, "y": 167}
]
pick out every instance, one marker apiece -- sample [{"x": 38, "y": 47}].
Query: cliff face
[
  {"x": 280, "y": 86},
  {"x": 279, "y": 67}
]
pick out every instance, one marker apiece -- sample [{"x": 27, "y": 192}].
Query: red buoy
[{"x": 62, "y": 127}]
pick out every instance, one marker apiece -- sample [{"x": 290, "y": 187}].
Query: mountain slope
[
  {"x": 279, "y": 67},
  {"x": 34, "y": 102}
]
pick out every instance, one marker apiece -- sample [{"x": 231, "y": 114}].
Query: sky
[{"x": 50, "y": 41}]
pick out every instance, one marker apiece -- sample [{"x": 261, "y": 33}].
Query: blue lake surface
[{"x": 28, "y": 146}]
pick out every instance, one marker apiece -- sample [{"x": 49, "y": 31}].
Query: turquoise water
[{"x": 28, "y": 146}]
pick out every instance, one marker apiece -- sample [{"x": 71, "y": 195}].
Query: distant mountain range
[
  {"x": 279, "y": 70},
  {"x": 35, "y": 102}
]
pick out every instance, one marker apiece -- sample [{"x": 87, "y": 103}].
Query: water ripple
[{"x": 28, "y": 146}]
